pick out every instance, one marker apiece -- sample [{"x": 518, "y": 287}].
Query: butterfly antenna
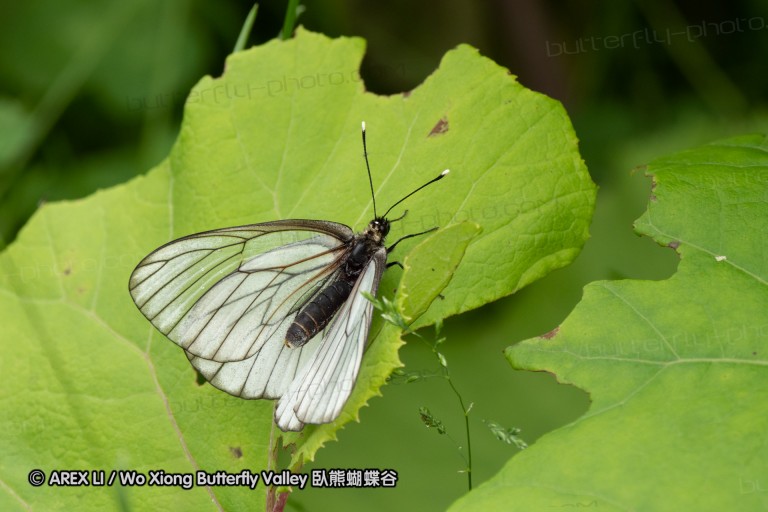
[
  {"x": 439, "y": 177},
  {"x": 367, "y": 166}
]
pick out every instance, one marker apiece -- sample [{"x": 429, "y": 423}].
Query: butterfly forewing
[
  {"x": 221, "y": 294},
  {"x": 257, "y": 302}
]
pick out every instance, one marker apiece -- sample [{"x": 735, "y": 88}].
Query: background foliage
[
  {"x": 676, "y": 369},
  {"x": 92, "y": 95}
]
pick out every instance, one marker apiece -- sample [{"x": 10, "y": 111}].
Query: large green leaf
[
  {"x": 676, "y": 369},
  {"x": 89, "y": 383}
]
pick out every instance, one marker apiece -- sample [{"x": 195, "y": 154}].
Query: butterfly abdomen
[{"x": 316, "y": 315}]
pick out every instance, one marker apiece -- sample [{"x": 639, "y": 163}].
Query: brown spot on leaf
[
  {"x": 67, "y": 270},
  {"x": 674, "y": 244},
  {"x": 236, "y": 451},
  {"x": 551, "y": 334},
  {"x": 440, "y": 128},
  {"x": 653, "y": 189},
  {"x": 406, "y": 94}
]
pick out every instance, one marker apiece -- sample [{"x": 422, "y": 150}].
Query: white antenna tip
[
  {"x": 363, "y": 125},
  {"x": 445, "y": 172}
]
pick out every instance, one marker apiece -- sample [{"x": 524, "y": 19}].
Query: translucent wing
[
  {"x": 324, "y": 381},
  {"x": 222, "y": 294},
  {"x": 266, "y": 374}
]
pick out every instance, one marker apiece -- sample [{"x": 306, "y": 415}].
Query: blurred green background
[{"x": 91, "y": 94}]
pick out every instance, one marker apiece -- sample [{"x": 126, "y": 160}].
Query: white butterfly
[{"x": 271, "y": 310}]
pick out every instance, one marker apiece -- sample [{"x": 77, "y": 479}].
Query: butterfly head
[{"x": 377, "y": 229}]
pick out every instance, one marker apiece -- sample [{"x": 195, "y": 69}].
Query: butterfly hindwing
[
  {"x": 266, "y": 374},
  {"x": 321, "y": 387}
]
